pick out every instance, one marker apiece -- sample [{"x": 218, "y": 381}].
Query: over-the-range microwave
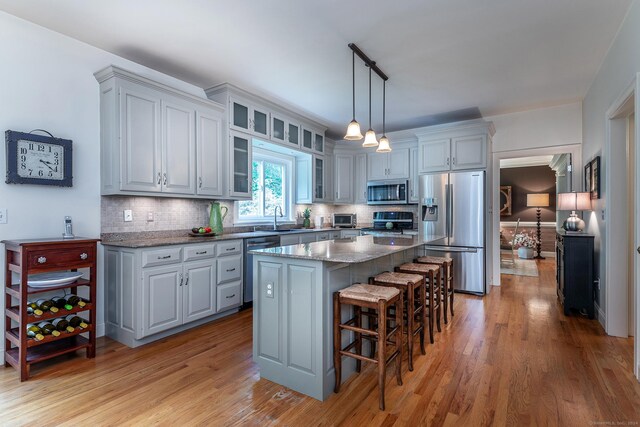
[{"x": 388, "y": 192}]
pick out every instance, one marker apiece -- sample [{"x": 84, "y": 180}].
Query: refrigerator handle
[
  {"x": 446, "y": 204},
  {"x": 451, "y": 209}
]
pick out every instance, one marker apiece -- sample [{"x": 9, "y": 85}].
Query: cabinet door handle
[
  {"x": 200, "y": 182},
  {"x": 454, "y": 160},
  {"x": 187, "y": 282},
  {"x": 164, "y": 257},
  {"x": 42, "y": 260},
  {"x": 230, "y": 249},
  {"x": 84, "y": 256},
  {"x": 181, "y": 278},
  {"x": 165, "y": 178},
  {"x": 638, "y": 249},
  {"x": 230, "y": 296},
  {"x": 447, "y": 161},
  {"x": 201, "y": 253},
  {"x": 231, "y": 269},
  {"x": 159, "y": 178}
]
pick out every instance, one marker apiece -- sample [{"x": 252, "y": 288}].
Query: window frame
[{"x": 287, "y": 162}]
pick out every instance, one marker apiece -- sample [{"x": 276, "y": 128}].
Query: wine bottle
[
  {"x": 33, "y": 331},
  {"x": 62, "y": 325},
  {"x": 33, "y": 310},
  {"x": 75, "y": 300},
  {"x": 46, "y": 305},
  {"x": 61, "y": 302},
  {"x": 47, "y": 328},
  {"x": 77, "y": 321}
]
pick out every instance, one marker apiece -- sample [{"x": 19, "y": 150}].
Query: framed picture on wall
[
  {"x": 505, "y": 200},
  {"x": 587, "y": 177},
  {"x": 595, "y": 178}
]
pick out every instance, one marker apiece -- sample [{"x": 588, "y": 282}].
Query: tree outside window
[{"x": 268, "y": 189}]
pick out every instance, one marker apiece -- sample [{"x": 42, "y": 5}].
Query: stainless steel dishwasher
[{"x": 249, "y": 245}]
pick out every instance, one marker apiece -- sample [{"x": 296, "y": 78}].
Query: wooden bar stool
[
  {"x": 431, "y": 274},
  {"x": 446, "y": 266},
  {"x": 409, "y": 285},
  {"x": 362, "y": 295}
]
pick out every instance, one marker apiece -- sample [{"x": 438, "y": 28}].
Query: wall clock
[{"x": 38, "y": 159}]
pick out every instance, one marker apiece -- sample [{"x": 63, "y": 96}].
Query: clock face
[{"x": 40, "y": 160}]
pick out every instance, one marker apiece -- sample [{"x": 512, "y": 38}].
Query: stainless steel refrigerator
[{"x": 453, "y": 205}]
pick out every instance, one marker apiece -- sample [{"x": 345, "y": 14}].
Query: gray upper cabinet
[
  {"x": 455, "y": 153},
  {"x": 313, "y": 140},
  {"x": 393, "y": 165},
  {"x": 178, "y": 148},
  {"x": 209, "y": 147},
  {"x": 240, "y": 165},
  {"x": 343, "y": 182},
  {"x": 285, "y": 131},
  {"x": 414, "y": 195},
  {"x": 319, "y": 189},
  {"x": 154, "y": 140},
  {"x": 318, "y": 143},
  {"x": 469, "y": 152},
  {"x": 307, "y": 139},
  {"x": 360, "y": 179},
  {"x": 248, "y": 117},
  {"x": 140, "y": 133}
]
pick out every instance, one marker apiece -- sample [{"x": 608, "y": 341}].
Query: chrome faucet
[{"x": 275, "y": 217}]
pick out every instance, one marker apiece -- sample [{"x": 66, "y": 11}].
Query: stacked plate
[{"x": 49, "y": 280}]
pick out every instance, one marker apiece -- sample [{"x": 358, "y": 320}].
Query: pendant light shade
[
  {"x": 384, "y": 146},
  {"x": 353, "y": 130},
  {"x": 370, "y": 139}
]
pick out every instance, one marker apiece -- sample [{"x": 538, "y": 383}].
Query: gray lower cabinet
[
  {"x": 155, "y": 292},
  {"x": 315, "y": 236}
]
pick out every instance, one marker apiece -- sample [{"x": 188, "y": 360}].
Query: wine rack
[{"x": 24, "y": 257}]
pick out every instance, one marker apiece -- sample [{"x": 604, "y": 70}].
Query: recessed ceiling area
[
  {"x": 521, "y": 162},
  {"x": 443, "y": 57}
]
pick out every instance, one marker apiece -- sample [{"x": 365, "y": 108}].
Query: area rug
[{"x": 521, "y": 267}]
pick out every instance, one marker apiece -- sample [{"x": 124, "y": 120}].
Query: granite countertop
[
  {"x": 180, "y": 237},
  {"x": 352, "y": 250}
]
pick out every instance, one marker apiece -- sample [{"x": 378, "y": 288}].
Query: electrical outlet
[
  {"x": 269, "y": 290},
  {"x": 3, "y": 215},
  {"x": 128, "y": 215},
  {"x": 149, "y": 216}
]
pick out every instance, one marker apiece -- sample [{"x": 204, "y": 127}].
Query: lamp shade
[
  {"x": 384, "y": 146},
  {"x": 574, "y": 201},
  {"x": 537, "y": 200},
  {"x": 353, "y": 131}
]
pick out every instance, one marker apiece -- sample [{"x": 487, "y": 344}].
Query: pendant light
[
  {"x": 353, "y": 130},
  {"x": 384, "y": 146},
  {"x": 370, "y": 137}
]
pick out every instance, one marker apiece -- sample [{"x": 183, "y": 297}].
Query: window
[{"x": 270, "y": 187}]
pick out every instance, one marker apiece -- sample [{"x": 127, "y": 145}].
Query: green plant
[{"x": 306, "y": 213}]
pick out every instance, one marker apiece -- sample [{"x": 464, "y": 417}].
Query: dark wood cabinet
[
  {"x": 25, "y": 257},
  {"x": 574, "y": 272}
]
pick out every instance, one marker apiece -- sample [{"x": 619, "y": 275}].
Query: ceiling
[
  {"x": 446, "y": 59},
  {"x": 521, "y": 162}
]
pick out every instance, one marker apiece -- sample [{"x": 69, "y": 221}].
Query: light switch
[
  {"x": 3, "y": 215},
  {"x": 128, "y": 215},
  {"x": 149, "y": 216}
]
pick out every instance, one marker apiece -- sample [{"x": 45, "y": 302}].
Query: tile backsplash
[{"x": 182, "y": 214}]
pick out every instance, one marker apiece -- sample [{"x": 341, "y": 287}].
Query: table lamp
[
  {"x": 574, "y": 202},
  {"x": 538, "y": 200}
]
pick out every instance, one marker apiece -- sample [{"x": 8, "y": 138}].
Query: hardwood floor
[{"x": 511, "y": 358}]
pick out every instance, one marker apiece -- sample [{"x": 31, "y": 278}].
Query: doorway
[{"x": 622, "y": 235}]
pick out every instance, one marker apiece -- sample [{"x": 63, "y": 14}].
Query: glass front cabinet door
[
  {"x": 318, "y": 178},
  {"x": 284, "y": 131},
  {"x": 247, "y": 117},
  {"x": 240, "y": 176}
]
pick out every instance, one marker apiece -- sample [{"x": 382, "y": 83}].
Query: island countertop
[{"x": 352, "y": 250}]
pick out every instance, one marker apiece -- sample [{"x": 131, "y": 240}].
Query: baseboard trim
[{"x": 601, "y": 317}]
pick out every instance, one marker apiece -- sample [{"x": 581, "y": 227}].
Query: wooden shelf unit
[{"x": 24, "y": 257}]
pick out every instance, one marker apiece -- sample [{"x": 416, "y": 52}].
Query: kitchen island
[{"x": 293, "y": 311}]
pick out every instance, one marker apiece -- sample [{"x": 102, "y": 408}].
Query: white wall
[
  {"x": 539, "y": 128},
  {"x": 46, "y": 82},
  {"x": 616, "y": 73}
]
